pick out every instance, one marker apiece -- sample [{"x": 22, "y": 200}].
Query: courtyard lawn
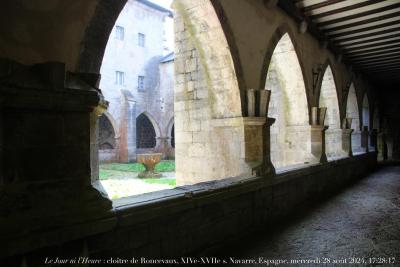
[
  {"x": 163, "y": 166},
  {"x": 121, "y": 179}
]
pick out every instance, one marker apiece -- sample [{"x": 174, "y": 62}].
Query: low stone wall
[
  {"x": 192, "y": 218},
  {"x": 108, "y": 155}
]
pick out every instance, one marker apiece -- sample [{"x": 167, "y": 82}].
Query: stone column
[
  {"x": 127, "y": 128},
  {"x": 380, "y": 145},
  {"x": 49, "y": 119},
  {"x": 257, "y": 132},
  {"x": 164, "y": 146},
  {"x": 94, "y": 146},
  {"x": 1, "y": 143},
  {"x": 346, "y": 136},
  {"x": 365, "y": 139},
  {"x": 318, "y": 133},
  {"x": 373, "y": 135}
]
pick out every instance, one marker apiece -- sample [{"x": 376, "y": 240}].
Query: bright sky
[
  {"x": 169, "y": 24},
  {"x": 163, "y": 3}
]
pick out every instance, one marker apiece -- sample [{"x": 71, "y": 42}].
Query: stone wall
[
  {"x": 155, "y": 100},
  {"x": 190, "y": 219},
  {"x": 208, "y": 123}
]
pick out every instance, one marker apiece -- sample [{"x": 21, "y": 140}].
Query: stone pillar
[
  {"x": 127, "y": 145},
  {"x": 1, "y": 143},
  {"x": 257, "y": 132},
  {"x": 365, "y": 139},
  {"x": 49, "y": 140},
  {"x": 318, "y": 133},
  {"x": 164, "y": 146},
  {"x": 373, "y": 137},
  {"x": 380, "y": 146},
  {"x": 346, "y": 136},
  {"x": 94, "y": 146}
]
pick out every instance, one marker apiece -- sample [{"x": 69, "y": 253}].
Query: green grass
[
  {"x": 168, "y": 181},
  {"x": 163, "y": 166},
  {"x": 104, "y": 174}
]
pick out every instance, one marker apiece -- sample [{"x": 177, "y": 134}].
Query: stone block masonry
[{"x": 190, "y": 219}]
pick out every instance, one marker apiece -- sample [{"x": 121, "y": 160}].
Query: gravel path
[{"x": 123, "y": 184}]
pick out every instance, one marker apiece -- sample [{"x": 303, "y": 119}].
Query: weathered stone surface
[
  {"x": 218, "y": 210},
  {"x": 361, "y": 221}
]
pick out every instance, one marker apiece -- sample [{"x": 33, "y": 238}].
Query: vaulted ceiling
[{"x": 365, "y": 32}]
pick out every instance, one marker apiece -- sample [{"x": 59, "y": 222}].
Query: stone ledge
[
  {"x": 155, "y": 208},
  {"x": 144, "y": 207}
]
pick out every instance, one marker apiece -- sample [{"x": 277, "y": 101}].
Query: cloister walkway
[{"x": 361, "y": 221}]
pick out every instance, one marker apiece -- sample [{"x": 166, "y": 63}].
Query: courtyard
[{"x": 121, "y": 179}]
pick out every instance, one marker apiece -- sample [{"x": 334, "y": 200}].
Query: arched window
[
  {"x": 290, "y": 134},
  {"x": 145, "y": 133},
  {"x": 328, "y": 98},
  {"x": 106, "y": 137},
  {"x": 352, "y": 112}
]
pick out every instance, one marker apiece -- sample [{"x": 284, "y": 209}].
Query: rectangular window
[
  {"x": 140, "y": 82},
  {"x": 119, "y": 33},
  {"x": 141, "y": 39},
  {"x": 119, "y": 77}
]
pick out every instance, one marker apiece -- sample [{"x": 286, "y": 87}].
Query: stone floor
[{"x": 362, "y": 221}]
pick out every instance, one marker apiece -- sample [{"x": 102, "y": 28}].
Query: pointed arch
[
  {"x": 281, "y": 31},
  {"x": 147, "y": 131},
  {"x": 213, "y": 57},
  {"x": 365, "y": 111},
  {"x": 106, "y": 136},
  {"x": 113, "y": 123},
  {"x": 328, "y": 97},
  {"x": 171, "y": 132},
  {"x": 290, "y": 134},
  {"x": 352, "y": 111}
]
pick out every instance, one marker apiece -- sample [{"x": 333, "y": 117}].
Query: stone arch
[
  {"x": 97, "y": 34},
  {"x": 284, "y": 29},
  {"x": 290, "y": 134},
  {"x": 352, "y": 111},
  {"x": 365, "y": 111},
  {"x": 108, "y": 145},
  {"x": 171, "y": 132},
  {"x": 106, "y": 137},
  {"x": 328, "y": 97},
  {"x": 208, "y": 103},
  {"x": 113, "y": 123},
  {"x": 147, "y": 132},
  {"x": 214, "y": 57}
]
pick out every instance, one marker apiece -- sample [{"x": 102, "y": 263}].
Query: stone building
[
  {"x": 137, "y": 82},
  {"x": 279, "y": 106}
]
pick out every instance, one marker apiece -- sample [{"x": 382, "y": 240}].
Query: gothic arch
[
  {"x": 328, "y": 97},
  {"x": 352, "y": 111},
  {"x": 170, "y": 132},
  {"x": 214, "y": 57},
  {"x": 113, "y": 123},
  {"x": 107, "y": 134},
  {"x": 208, "y": 103},
  {"x": 96, "y": 35},
  {"x": 147, "y": 131},
  {"x": 282, "y": 30},
  {"x": 290, "y": 134},
  {"x": 365, "y": 111}
]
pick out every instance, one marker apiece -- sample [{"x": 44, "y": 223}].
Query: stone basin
[{"x": 149, "y": 160}]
